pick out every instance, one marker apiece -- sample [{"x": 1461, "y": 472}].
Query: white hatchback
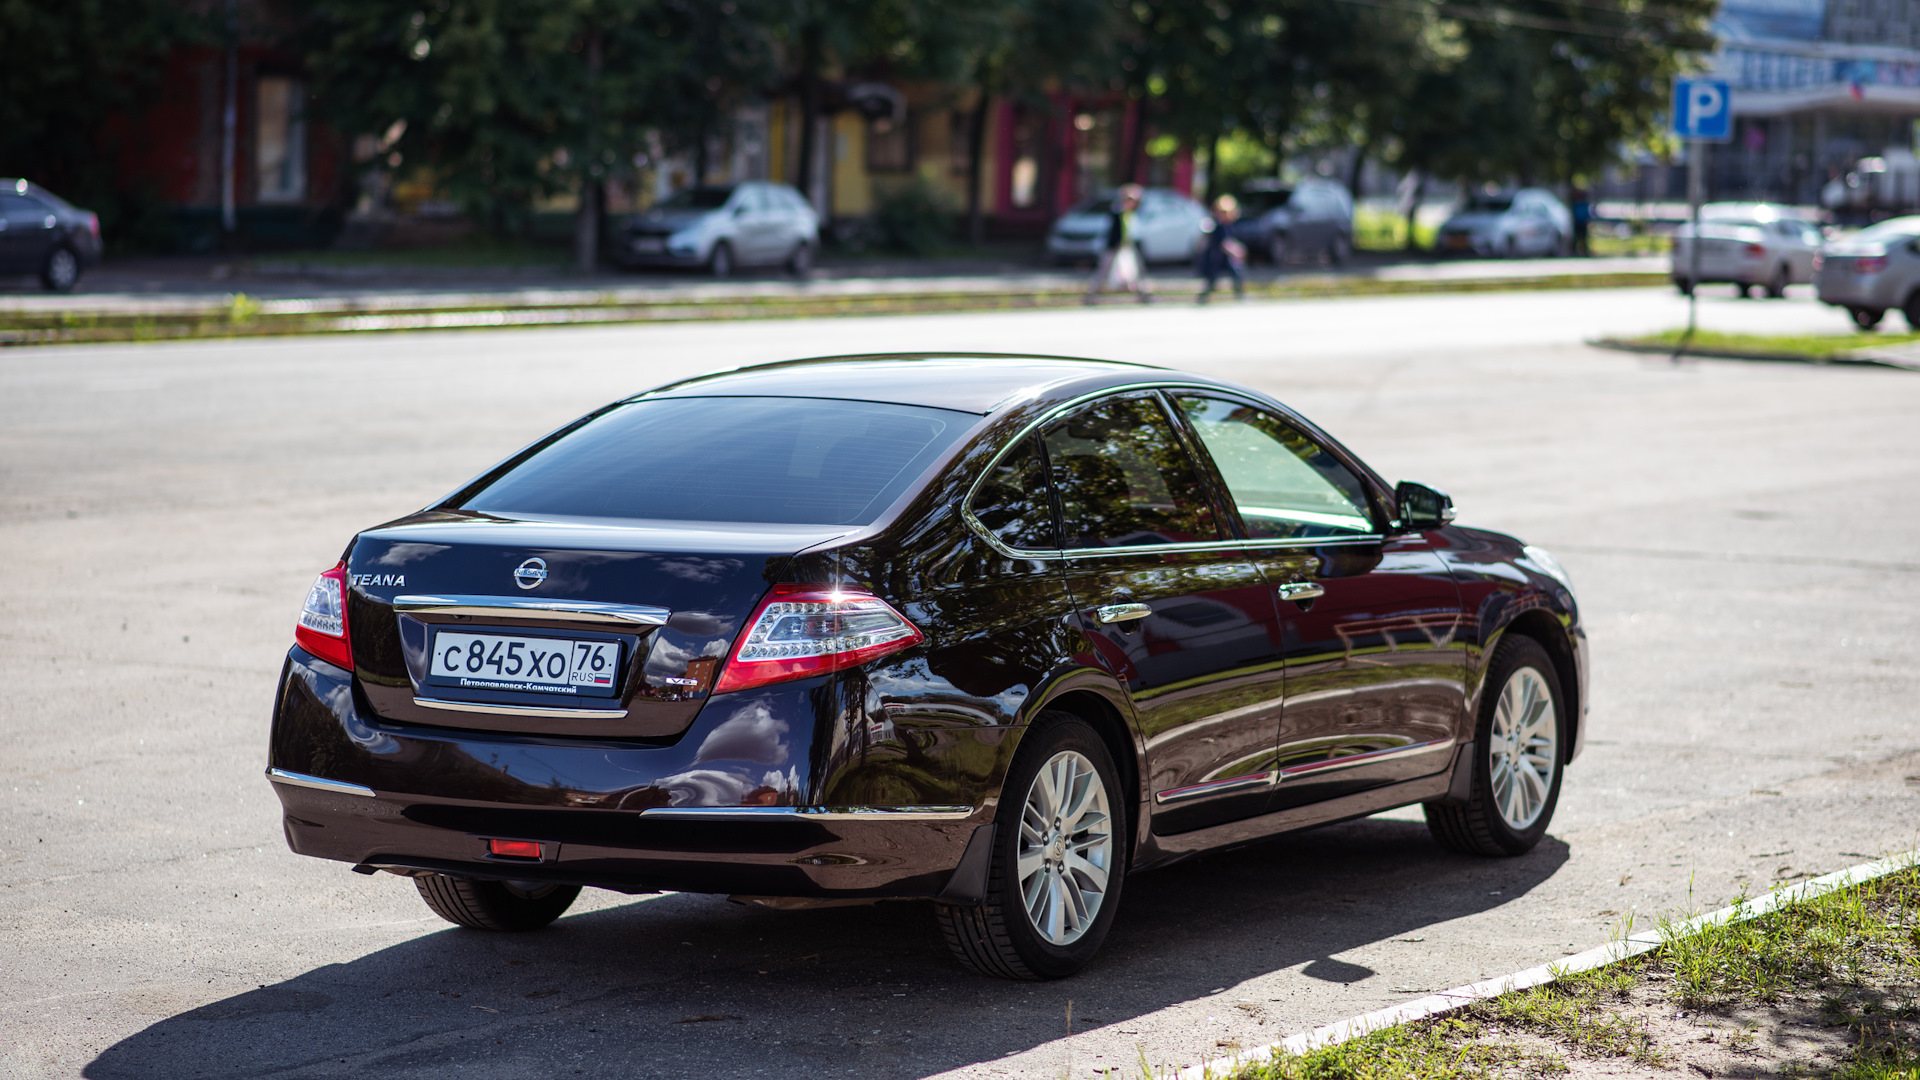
[
  {"x": 1748, "y": 245},
  {"x": 1168, "y": 228}
]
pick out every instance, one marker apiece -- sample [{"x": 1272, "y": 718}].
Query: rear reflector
[
  {"x": 322, "y": 629},
  {"x": 804, "y": 630},
  {"x": 514, "y": 849}
]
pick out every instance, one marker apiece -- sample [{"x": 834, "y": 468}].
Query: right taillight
[
  {"x": 322, "y": 629},
  {"x": 804, "y": 630},
  {"x": 1871, "y": 264}
]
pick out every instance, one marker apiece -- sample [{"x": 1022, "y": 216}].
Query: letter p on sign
[{"x": 1702, "y": 109}]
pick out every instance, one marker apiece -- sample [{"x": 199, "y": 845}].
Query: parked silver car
[
  {"x": 724, "y": 227},
  {"x": 1168, "y": 226},
  {"x": 1530, "y": 221},
  {"x": 1747, "y": 244},
  {"x": 1873, "y": 271},
  {"x": 1312, "y": 219}
]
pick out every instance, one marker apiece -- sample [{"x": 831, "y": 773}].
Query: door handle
[
  {"x": 1113, "y": 613},
  {"x": 1301, "y": 590}
]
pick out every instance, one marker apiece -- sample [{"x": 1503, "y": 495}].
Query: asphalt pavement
[{"x": 1740, "y": 535}]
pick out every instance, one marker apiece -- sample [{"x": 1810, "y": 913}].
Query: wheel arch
[
  {"x": 1107, "y": 721},
  {"x": 1552, "y": 635}
]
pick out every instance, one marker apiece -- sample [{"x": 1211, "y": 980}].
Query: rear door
[
  {"x": 1375, "y": 661},
  {"x": 25, "y": 236},
  {"x": 1184, "y": 620}
]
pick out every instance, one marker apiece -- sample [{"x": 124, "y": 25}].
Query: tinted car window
[
  {"x": 1285, "y": 485},
  {"x": 1124, "y": 479},
  {"x": 20, "y": 208},
  {"x": 792, "y": 461},
  {"x": 700, "y": 198},
  {"x": 1014, "y": 502}
]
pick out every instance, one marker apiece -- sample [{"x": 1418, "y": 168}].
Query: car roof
[{"x": 968, "y": 382}]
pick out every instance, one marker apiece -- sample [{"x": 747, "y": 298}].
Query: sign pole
[{"x": 1696, "y": 194}]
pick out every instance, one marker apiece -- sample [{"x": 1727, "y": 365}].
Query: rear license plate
[{"x": 540, "y": 665}]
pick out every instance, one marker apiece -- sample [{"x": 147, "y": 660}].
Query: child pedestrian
[{"x": 1222, "y": 254}]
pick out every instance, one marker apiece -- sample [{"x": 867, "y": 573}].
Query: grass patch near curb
[
  {"x": 1812, "y": 347},
  {"x": 1826, "y": 987}
]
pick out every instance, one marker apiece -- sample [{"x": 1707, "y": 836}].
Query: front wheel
[
  {"x": 720, "y": 263},
  {"x": 62, "y": 270},
  {"x": 1277, "y": 249},
  {"x": 1516, "y": 765},
  {"x": 495, "y": 905},
  {"x": 1340, "y": 250},
  {"x": 800, "y": 263},
  {"x": 1059, "y": 856},
  {"x": 1866, "y": 318},
  {"x": 1777, "y": 284}
]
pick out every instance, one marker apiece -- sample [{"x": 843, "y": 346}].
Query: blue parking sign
[{"x": 1702, "y": 109}]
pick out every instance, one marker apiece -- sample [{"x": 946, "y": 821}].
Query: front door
[
  {"x": 24, "y": 237},
  {"x": 1375, "y": 657},
  {"x": 1186, "y": 622}
]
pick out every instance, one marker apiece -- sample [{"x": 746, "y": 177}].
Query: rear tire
[
  {"x": 1340, "y": 250},
  {"x": 1084, "y": 836},
  {"x": 1277, "y": 249},
  {"x": 494, "y": 905},
  {"x": 800, "y": 263},
  {"x": 1866, "y": 318},
  {"x": 61, "y": 271},
  {"x": 1521, "y": 729},
  {"x": 1743, "y": 290},
  {"x": 1911, "y": 309},
  {"x": 1777, "y": 285},
  {"x": 1684, "y": 286}
]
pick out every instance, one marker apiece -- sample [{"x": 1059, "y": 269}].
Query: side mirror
[
  {"x": 1422, "y": 507},
  {"x": 740, "y": 210}
]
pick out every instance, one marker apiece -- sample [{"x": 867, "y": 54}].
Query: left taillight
[
  {"x": 322, "y": 629},
  {"x": 93, "y": 225},
  {"x": 804, "y": 630}
]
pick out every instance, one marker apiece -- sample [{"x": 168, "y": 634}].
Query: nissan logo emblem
[{"x": 530, "y": 573}]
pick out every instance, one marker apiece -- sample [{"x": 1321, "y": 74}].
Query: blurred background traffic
[{"x": 774, "y": 136}]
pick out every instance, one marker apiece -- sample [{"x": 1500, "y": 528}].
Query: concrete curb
[
  {"x": 1459, "y": 997},
  {"x": 1862, "y": 358}
]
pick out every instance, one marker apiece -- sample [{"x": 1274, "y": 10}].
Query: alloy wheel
[
  {"x": 63, "y": 270},
  {"x": 1525, "y": 748},
  {"x": 1066, "y": 847}
]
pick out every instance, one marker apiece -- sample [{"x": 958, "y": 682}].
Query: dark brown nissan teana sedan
[{"x": 990, "y": 631}]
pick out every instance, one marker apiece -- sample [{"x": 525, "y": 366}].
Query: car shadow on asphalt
[{"x": 686, "y": 985}]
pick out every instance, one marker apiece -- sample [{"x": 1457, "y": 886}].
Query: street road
[{"x": 1740, "y": 534}]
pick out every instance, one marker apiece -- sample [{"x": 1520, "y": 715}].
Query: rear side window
[
  {"x": 1014, "y": 503},
  {"x": 1125, "y": 480},
  {"x": 786, "y": 461}
]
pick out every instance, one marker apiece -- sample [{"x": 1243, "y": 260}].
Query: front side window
[
  {"x": 1014, "y": 503},
  {"x": 1286, "y": 486},
  {"x": 1125, "y": 480},
  {"x": 789, "y": 461}
]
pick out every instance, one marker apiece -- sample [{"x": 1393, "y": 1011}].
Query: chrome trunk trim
[{"x": 521, "y": 607}]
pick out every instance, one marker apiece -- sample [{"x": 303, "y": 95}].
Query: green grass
[
  {"x": 1810, "y": 346},
  {"x": 1383, "y": 230},
  {"x": 1852, "y": 955}
]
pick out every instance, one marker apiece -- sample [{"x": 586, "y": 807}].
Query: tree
[
  {"x": 502, "y": 101},
  {"x": 66, "y": 67}
]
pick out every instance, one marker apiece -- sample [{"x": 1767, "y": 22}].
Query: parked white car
[
  {"x": 724, "y": 227},
  {"x": 1748, "y": 245},
  {"x": 1530, "y": 221},
  {"x": 1873, "y": 271},
  {"x": 1168, "y": 225}
]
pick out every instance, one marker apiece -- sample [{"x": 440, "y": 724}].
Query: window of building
[
  {"x": 1029, "y": 133},
  {"x": 280, "y": 139},
  {"x": 890, "y": 145}
]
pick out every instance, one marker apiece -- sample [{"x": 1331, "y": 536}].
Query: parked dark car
[
  {"x": 1309, "y": 220},
  {"x": 993, "y": 632},
  {"x": 40, "y": 233}
]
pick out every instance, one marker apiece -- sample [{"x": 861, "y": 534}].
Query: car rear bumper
[
  {"x": 1720, "y": 268},
  {"x": 1842, "y": 289},
  {"x": 617, "y": 814}
]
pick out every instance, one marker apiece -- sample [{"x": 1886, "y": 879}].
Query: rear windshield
[
  {"x": 787, "y": 461},
  {"x": 1259, "y": 202},
  {"x": 1498, "y": 204}
]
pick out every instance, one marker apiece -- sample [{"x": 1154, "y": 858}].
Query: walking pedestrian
[
  {"x": 1119, "y": 268},
  {"x": 1582, "y": 221},
  {"x": 1222, "y": 254}
]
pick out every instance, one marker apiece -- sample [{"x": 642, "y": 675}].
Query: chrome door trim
[
  {"x": 317, "y": 783},
  {"x": 520, "y": 710},
  {"x": 1113, "y": 613},
  {"x": 1312, "y": 768},
  {"x": 811, "y": 813},
  {"x": 1214, "y": 787},
  {"x": 966, "y": 504},
  {"x": 510, "y": 607}
]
